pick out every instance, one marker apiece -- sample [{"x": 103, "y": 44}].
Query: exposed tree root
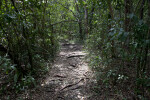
[
  {"x": 70, "y": 85},
  {"x": 60, "y": 76},
  {"x": 75, "y": 56}
]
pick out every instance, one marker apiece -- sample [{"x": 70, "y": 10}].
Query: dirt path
[{"x": 69, "y": 78}]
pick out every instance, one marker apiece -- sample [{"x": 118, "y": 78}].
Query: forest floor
[{"x": 68, "y": 79}]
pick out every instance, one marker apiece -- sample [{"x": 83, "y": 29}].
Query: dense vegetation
[
  {"x": 119, "y": 45},
  {"x": 27, "y": 38},
  {"x": 116, "y": 33}
]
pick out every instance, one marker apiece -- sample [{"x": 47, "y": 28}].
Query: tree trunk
[
  {"x": 86, "y": 19},
  {"x": 111, "y": 16},
  {"x": 142, "y": 9},
  {"x": 91, "y": 17},
  {"x": 80, "y": 29},
  {"x": 27, "y": 41},
  {"x": 127, "y": 12},
  {"x": 79, "y": 21},
  {"x": 111, "y": 12}
]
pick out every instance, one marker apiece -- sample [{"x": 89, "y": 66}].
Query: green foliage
[
  {"x": 27, "y": 40},
  {"x": 118, "y": 55},
  {"x": 25, "y": 83},
  {"x": 12, "y": 75}
]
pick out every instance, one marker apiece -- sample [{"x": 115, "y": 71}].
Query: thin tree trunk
[
  {"x": 110, "y": 9},
  {"x": 79, "y": 21},
  {"x": 86, "y": 19},
  {"x": 27, "y": 41},
  {"x": 142, "y": 9},
  {"x": 127, "y": 12},
  {"x": 111, "y": 16},
  {"x": 91, "y": 17},
  {"x": 80, "y": 29}
]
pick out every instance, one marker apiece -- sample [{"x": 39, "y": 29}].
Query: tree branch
[{"x": 69, "y": 10}]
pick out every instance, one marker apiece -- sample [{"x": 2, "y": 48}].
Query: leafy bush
[
  {"x": 114, "y": 54},
  {"x": 10, "y": 77}
]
